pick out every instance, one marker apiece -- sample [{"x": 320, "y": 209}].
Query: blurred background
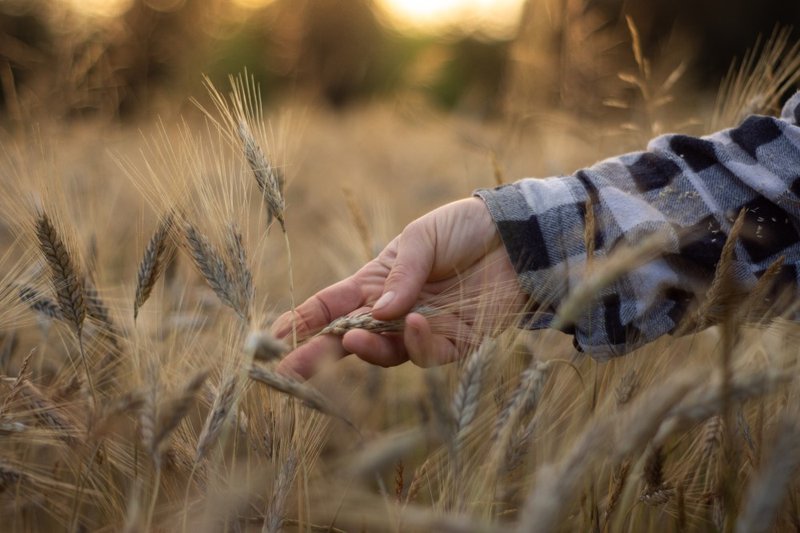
[{"x": 128, "y": 59}]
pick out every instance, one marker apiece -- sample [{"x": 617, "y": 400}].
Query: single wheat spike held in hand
[
  {"x": 342, "y": 325},
  {"x": 65, "y": 277}
]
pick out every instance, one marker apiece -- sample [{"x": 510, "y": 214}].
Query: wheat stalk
[
  {"x": 39, "y": 303},
  {"x": 148, "y": 413},
  {"x": 525, "y": 397},
  {"x": 263, "y": 346},
  {"x": 156, "y": 254},
  {"x": 176, "y": 411},
  {"x": 97, "y": 309},
  {"x": 340, "y": 326},
  {"x": 757, "y": 303},
  {"x": 626, "y": 387},
  {"x": 310, "y": 397},
  {"x": 47, "y": 411},
  {"x": 618, "y": 479},
  {"x": 66, "y": 280},
  {"x": 604, "y": 273},
  {"x": 618, "y": 435},
  {"x": 224, "y": 404},
  {"x": 465, "y": 400},
  {"x": 267, "y": 176},
  {"x": 385, "y": 450},
  {"x": 126, "y": 403},
  {"x": 724, "y": 292},
  {"x": 213, "y": 268},
  {"x": 656, "y": 491},
  {"x": 241, "y": 271},
  {"x": 757, "y": 84},
  {"x": 768, "y": 489},
  {"x": 280, "y": 491}
]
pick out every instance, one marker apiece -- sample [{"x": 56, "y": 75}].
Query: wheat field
[{"x": 142, "y": 268}]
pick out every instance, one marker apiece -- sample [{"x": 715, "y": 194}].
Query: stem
[
  {"x": 186, "y": 498},
  {"x": 291, "y": 289},
  {"x": 79, "y": 493},
  {"x": 88, "y": 372},
  {"x": 153, "y": 498}
]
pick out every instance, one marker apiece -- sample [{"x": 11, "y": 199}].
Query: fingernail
[{"x": 384, "y": 300}]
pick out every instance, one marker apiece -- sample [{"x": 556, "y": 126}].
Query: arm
[{"x": 692, "y": 188}]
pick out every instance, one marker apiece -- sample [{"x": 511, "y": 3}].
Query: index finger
[
  {"x": 309, "y": 357},
  {"x": 320, "y": 309}
]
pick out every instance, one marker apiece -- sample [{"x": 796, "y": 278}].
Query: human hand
[{"x": 454, "y": 247}]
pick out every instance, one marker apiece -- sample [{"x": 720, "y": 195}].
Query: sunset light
[
  {"x": 494, "y": 17},
  {"x": 491, "y": 16}
]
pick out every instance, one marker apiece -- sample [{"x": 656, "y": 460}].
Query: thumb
[{"x": 410, "y": 271}]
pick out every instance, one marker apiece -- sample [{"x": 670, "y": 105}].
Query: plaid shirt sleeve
[{"x": 692, "y": 189}]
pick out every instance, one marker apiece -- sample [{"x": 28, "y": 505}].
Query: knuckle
[{"x": 400, "y": 272}]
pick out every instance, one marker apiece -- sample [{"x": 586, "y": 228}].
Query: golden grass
[{"x": 174, "y": 418}]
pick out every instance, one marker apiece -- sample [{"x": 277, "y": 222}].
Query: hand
[{"x": 455, "y": 248}]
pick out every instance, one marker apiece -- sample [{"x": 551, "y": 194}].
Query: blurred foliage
[{"x": 57, "y": 63}]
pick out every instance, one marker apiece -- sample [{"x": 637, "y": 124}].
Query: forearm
[{"x": 689, "y": 188}]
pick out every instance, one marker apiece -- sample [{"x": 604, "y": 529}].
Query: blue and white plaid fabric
[{"x": 692, "y": 189}]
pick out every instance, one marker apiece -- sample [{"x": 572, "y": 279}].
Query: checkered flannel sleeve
[{"x": 690, "y": 188}]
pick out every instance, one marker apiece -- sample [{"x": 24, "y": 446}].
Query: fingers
[
  {"x": 318, "y": 311},
  {"x": 418, "y": 343},
  {"x": 307, "y": 359},
  {"x": 376, "y": 349},
  {"x": 423, "y": 347},
  {"x": 410, "y": 271}
]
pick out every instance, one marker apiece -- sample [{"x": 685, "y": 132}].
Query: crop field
[{"x": 142, "y": 265}]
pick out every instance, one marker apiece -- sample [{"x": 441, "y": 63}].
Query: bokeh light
[
  {"x": 495, "y": 17},
  {"x": 100, "y": 8}
]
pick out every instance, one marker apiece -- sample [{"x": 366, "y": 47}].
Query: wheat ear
[
  {"x": 604, "y": 273},
  {"x": 263, "y": 346},
  {"x": 213, "y": 268},
  {"x": 311, "y": 397},
  {"x": 270, "y": 181},
  {"x": 47, "y": 411},
  {"x": 280, "y": 491},
  {"x": 342, "y": 325},
  {"x": 156, "y": 254},
  {"x": 656, "y": 491},
  {"x": 241, "y": 271},
  {"x": 39, "y": 303},
  {"x": 268, "y": 177},
  {"x": 224, "y": 404},
  {"x": 465, "y": 400},
  {"x": 64, "y": 275},
  {"x": 67, "y": 283},
  {"x": 177, "y": 411}
]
